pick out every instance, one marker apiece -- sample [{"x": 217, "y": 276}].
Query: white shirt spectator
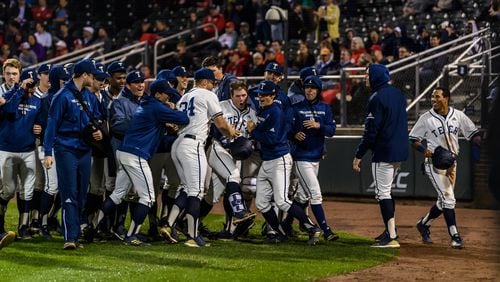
[{"x": 44, "y": 38}]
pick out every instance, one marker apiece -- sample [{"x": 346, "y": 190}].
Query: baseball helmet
[
  {"x": 241, "y": 148},
  {"x": 442, "y": 158}
]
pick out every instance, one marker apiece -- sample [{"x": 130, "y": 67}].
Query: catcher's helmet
[
  {"x": 241, "y": 148},
  {"x": 442, "y": 158}
]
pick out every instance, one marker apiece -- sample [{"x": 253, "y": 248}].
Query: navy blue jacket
[
  {"x": 312, "y": 148},
  {"x": 67, "y": 120},
  {"x": 296, "y": 92},
  {"x": 386, "y": 125},
  {"x": 223, "y": 92},
  {"x": 120, "y": 115},
  {"x": 271, "y": 132},
  {"x": 148, "y": 127},
  {"x": 17, "y": 117}
]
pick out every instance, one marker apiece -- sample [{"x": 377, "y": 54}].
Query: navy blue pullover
[{"x": 271, "y": 132}]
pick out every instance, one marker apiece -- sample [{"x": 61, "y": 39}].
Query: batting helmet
[
  {"x": 241, "y": 148},
  {"x": 442, "y": 158}
]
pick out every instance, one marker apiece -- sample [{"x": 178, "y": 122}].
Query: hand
[
  {"x": 170, "y": 105},
  {"x": 97, "y": 135},
  {"x": 427, "y": 153},
  {"x": 2, "y": 101},
  {"x": 301, "y": 136},
  {"x": 172, "y": 128},
  {"x": 37, "y": 129},
  {"x": 250, "y": 126},
  {"x": 311, "y": 123},
  {"x": 47, "y": 162},
  {"x": 233, "y": 132},
  {"x": 356, "y": 165},
  {"x": 25, "y": 83}
]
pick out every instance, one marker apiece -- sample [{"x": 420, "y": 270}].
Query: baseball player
[
  {"x": 236, "y": 112},
  {"x": 11, "y": 73},
  {"x": 202, "y": 108},
  {"x": 17, "y": 148},
  {"x": 117, "y": 77},
  {"x": 440, "y": 126},
  {"x": 273, "y": 179},
  {"x": 296, "y": 90},
  {"x": 140, "y": 142},
  {"x": 386, "y": 132},
  {"x": 224, "y": 80},
  {"x": 63, "y": 136},
  {"x": 57, "y": 76},
  {"x": 313, "y": 121},
  {"x": 182, "y": 80}
]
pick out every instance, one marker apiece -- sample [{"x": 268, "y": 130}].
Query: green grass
[{"x": 42, "y": 260}]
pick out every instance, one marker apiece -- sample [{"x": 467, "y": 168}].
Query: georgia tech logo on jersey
[{"x": 25, "y": 108}]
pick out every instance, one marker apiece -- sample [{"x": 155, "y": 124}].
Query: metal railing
[
  {"x": 125, "y": 52},
  {"x": 73, "y": 56}
]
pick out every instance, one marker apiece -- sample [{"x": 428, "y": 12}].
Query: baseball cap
[
  {"x": 307, "y": 71},
  {"x": 85, "y": 66},
  {"x": 25, "y": 45},
  {"x": 100, "y": 74},
  {"x": 58, "y": 72},
  {"x": 69, "y": 67},
  {"x": 29, "y": 73},
  {"x": 44, "y": 68},
  {"x": 134, "y": 76},
  {"x": 275, "y": 68},
  {"x": 116, "y": 66},
  {"x": 162, "y": 86},
  {"x": 89, "y": 29},
  {"x": 166, "y": 74},
  {"x": 230, "y": 25},
  {"x": 266, "y": 87},
  {"x": 204, "y": 73},
  {"x": 313, "y": 81},
  {"x": 179, "y": 71},
  {"x": 397, "y": 29}
]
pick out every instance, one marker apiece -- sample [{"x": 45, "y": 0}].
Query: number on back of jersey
[{"x": 188, "y": 107}]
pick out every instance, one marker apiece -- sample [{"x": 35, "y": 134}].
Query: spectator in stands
[
  {"x": 330, "y": 13},
  {"x": 6, "y": 54},
  {"x": 41, "y": 12},
  {"x": 162, "y": 28},
  {"x": 214, "y": 16},
  {"x": 347, "y": 37},
  {"x": 88, "y": 36},
  {"x": 304, "y": 57},
  {"x": 447, "y": 32},
  {"x": 61, "y": 13},
  {"x": 491, "y": 13},
  {"x": 280, "y": 55},
  {"x": 296, "y": 23},
  {"x": 260, "y": 47},
  {"x": 373, "y": 39},
  {"x": 192, "y": 23},
  {"x": 246, "y": 35},
  {"x": 61, "y": 48},
  {"x": 404, "y": 52},
  {"x": 228, "y": 38},
  {"x": 43, "y": 37},
  {"x": 444, "y": 5},
  {"x": 422, "y": 40},
  {"x": 181, "y": 58},
  {"x": 242, "y": 48},
  {"x": 413, "y": 7},
  {"x": 402, "y": 39},
  {"x": 64, "y": 35},
  {"x": 236, "y": 64},
  {"x": 357, "y": 48},
  {"x": 20, "y": 11},
  {"x": 389, "y": 41},
  {"x": 13, "y": 31},
  {"x": 430, "y": 69},
  {"x": 77, "y": 44},
  {"x": 257, "y": 68},
  {"x": 41, "y": 53},
  {"x": 27, "y": 57},
  {"x": 326, "y": 64},
  {"x": 102, "y": 36},
  {"x": 146, "y": 70},
  {"x": 378, "y": 57},
  {"x": 346, "y": 60}
]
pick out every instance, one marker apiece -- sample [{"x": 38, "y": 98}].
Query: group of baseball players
[{"x": 98, "y": 144}]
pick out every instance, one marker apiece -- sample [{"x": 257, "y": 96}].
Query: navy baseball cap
[
  {"x": 313, "y": 81},
  {"x": 116, "y": 66},
  {"x": 85, "y": 66},
  {"x": 204, "y": 73},
  {"x": 45, "y": 68},
  {"x": 266, "y": 87},
  {"x": 58, "y": 72},
  {"x": 69, "y": 67},
  {"x": 275, "y": 68},
  {"x": 134, "y": 76},
  {"x": 166, "y": 74},
  {"x": 179, "y": 71},
  {"x": 101, "y": 74},
  {"x": 162, "y": 86},
  {"x": 29, "y": 73},
  {"x": 307, "y": 71}
]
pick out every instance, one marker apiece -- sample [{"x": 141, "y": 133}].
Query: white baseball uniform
[{"x": 443, "y": 131}]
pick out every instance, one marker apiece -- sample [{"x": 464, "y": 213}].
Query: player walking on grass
[
  {"x": 386, "y": 135},
  {"x": 440, "y": 127}
]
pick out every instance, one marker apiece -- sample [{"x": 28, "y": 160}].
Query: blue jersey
[
  {"x": 296, "y": 92},
  {"x": 67, "y": 120},
  {"x": 312, "y": 148},
  {"x": 386, "y": 125},
  {"x": 223, "y": 91},
  {"x": 270, "y": 132},
  {"x": 120, "y": 113},
  {"x": 18, "y": 115},
  {"x": 148, "y": 127}
]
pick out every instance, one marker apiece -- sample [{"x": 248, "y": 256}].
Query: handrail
[
  {"x": 161, "y": 40},
  {"x": 124, "y": 50},
  {"x": 71, "y": 55}
]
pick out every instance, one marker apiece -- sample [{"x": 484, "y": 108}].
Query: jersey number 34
[{"x": 188, "y": 107}]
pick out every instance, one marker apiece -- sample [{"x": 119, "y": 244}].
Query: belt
[
  {"x": 70, "y": 134},
  {"x": 190, "y": 136}
]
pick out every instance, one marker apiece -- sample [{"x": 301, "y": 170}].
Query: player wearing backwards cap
[
  {"x": 17, "y": 148},
  {"x": 440, "y": 126},
  {"x": 11, "y": 72},
  {"x": 313, "y": 121},
  {"x": 120, "y": 115},
  {"x": 57, "y": 76},
  {"x": 202, "y": 107},
  {"x": 64, "y": 135},
  {"x": 140, "y": 142},
  {"x": 273, "y": 179}
]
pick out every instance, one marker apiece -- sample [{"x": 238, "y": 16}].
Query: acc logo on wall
[{"x": 400, "y": 184}]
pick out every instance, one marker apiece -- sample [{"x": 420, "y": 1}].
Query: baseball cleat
[
  {"x": 330, "y": 235},
  {"x": 44, "y": 230},
  {"x": 24, "y": 233},
  {"x": 456, "y": 242},
  {"x": 196, "y": 242},
  {"x": 167, "y": 233},
  {"x": 382, "y": 236},
  {"x": 387, "y": 243},
  {"x": 34, "y": 227},
  {"x": 6, "y": 238},
  {"x": 240, "y": 217},
  {"x": 275, "y": 239},
  {"x": 224, "y": 235},
  {"x": 72, "y": 246},
  {"x": 134, "y": 241},
  {"x": 425, "y": 232},
  {"x": 120, "y": 232},
  {"x": 314, "y": 235}
]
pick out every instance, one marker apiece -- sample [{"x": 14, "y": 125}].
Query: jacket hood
[{"x": 378, "y": 75}]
